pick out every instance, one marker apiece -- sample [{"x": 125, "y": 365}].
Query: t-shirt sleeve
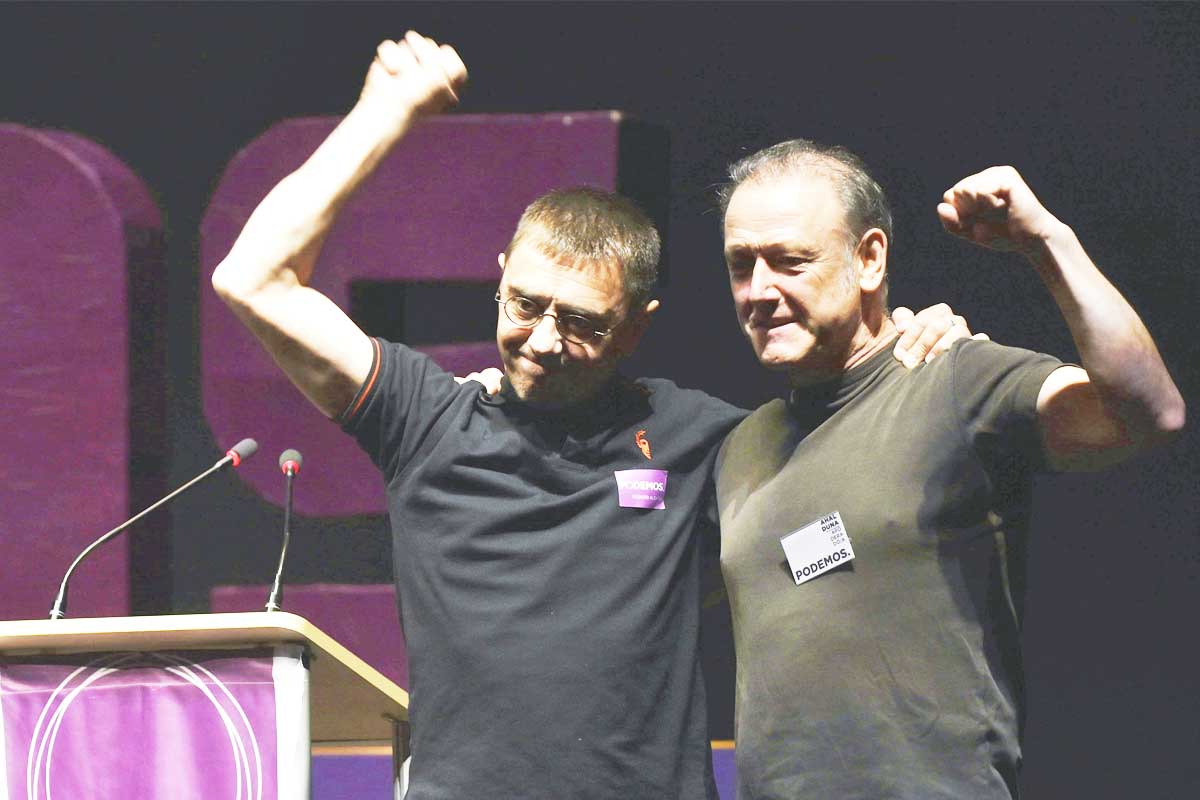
[
  {"x": 397, "y": 404},
  {"x": 996, "y": 390}
]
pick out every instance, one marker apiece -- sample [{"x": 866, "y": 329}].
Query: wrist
[
  {"x": 1056, "y": 250},
  {"x": 391, "y": 120},
  {"x": 1046, "y": 246}
]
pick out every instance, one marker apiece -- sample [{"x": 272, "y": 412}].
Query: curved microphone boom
[
  {"x": 235, "y": 456},
  {"x": 289, "y": 463}
]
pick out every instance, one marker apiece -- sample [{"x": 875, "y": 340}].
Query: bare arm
[
  {"x": 265, "y": 277},
  {"x": 1123, "y": 400}
]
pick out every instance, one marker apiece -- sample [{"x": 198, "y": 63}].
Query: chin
[
  {"x": 780, "y": 346},
  {"x": 528, "y": 391},
  {"x": 776, "y": 364},
  {"x": 781, "y": 358},
  {"x": 540, "y": 394}
]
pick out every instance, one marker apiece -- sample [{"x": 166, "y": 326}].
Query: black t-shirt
[{"x": 552, "y": 631}]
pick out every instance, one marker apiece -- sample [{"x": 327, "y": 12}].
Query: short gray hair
[
  {"x": 863, "y": 199},
  {"x": 595, "y": 226}
]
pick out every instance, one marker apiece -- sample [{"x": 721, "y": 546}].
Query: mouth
[
  {"x": 532, "y": 367},
  {"x": 768, "y": 324}
]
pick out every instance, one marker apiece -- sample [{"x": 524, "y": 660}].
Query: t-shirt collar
[{"x": 814, "y": 403}]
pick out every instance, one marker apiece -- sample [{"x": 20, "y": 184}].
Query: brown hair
[{"x": 595, "y": 226}]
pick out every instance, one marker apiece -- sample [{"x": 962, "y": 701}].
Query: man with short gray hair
[{"x": 869, "y": 520}]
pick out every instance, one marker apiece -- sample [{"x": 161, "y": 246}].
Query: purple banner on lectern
[{"x": 141, "y": 726}]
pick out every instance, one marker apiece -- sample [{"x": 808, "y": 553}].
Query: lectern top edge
[{"x": 203, "y": 631}]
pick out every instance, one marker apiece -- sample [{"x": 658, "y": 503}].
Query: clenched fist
[
  {"x": 414, "y": 76},
  {"x": 995, "y": 208}
]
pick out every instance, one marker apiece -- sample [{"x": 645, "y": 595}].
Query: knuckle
[{"x": 930, "y": 335}]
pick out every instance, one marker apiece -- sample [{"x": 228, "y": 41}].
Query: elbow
[
  {"x": 1155, "y": 413},
  {"x": 229, "y": 283},
  {"x": 1172, "y": 417},
  {"x": 1164, "y": 423},
  {"x": 222, "y": 281}
]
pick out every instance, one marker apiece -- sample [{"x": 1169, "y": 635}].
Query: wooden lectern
[{"x": 198, "y": 705}]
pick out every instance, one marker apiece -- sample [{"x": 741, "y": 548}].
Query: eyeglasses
[{"x": 524, "y": 313}]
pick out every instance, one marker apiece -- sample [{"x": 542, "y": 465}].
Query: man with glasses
[{"x": 547, "y": 539}]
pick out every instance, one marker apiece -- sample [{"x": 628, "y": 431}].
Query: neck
[
  {"x": 872, "y": 342},
  {"x": 874, "y": 332}
]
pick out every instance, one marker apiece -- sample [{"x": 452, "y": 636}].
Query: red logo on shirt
[{"x": 642, "y": 444}]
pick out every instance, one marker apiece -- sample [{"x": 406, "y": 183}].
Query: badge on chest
[
  {"x": 641, "y": 488},
  {"x": 817, "y": 547}
]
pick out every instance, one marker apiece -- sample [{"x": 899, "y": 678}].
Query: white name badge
[{"x": 817, "y": 547}]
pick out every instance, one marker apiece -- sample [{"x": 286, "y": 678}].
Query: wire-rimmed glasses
[{"x": 524, "y": 313}]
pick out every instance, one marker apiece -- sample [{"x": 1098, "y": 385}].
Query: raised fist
[
  {"x": 414, "y": 75},
  {"x": 995, "y": 208}
]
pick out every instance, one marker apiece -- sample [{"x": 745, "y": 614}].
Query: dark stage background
[{"x": 1097, "y": 105}]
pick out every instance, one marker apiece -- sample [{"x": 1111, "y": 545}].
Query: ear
[
  {"x": 630, "y": 331},
  {"x": 872, "y": 254}
]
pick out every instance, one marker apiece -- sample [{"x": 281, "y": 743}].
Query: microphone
[
  {"x": 289, "y": 463},
  {"x": 234, "y": 455}
]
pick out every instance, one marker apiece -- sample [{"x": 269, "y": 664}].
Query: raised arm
[
  {"x": 265, "y": 277},
  {"x": 1123, "y": 400}
]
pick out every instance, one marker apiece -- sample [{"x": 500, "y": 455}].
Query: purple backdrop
[
  {"x": 438, "y": 210},
  {"x": 74, "y": 222}
]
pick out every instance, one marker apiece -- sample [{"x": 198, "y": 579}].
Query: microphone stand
[
  {"x": 235, "y": 456},
  {"x": 289, "y": 459}
]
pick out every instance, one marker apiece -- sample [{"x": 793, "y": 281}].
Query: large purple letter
[{"x": 82, "y": 441}]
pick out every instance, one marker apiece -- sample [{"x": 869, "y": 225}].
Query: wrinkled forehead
[{"x": 779, "y": 204}]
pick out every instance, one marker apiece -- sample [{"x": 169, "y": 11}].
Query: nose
[
  {"x": 544, "y": 338},
  {"x": 762, "y": 283}
]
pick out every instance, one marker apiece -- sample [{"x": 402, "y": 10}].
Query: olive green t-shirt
[{"x": 895, "y": 674}]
